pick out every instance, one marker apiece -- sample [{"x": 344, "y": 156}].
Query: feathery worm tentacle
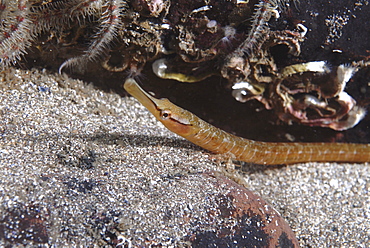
[
  {"x": 262, "y": 15},
  {"x": 16, "y": 35},
  {"x": 110, "y": 24}
]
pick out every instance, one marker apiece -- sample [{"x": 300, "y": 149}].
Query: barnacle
[
  {"x": 310, "y": 93},
  {"x": 335, "y": 109},
  {"x": 161, "y": 69}
]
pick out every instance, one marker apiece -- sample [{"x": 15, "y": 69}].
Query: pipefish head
[{"x": 176, "y": 119}]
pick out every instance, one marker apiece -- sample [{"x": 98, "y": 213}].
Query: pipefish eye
[{"x": 165, "y": 114}]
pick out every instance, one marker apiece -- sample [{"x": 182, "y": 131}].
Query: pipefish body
[{"x": 203, "y": 134}]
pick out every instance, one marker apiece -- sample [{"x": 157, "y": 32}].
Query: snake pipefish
[{"x": 201, "y": 133}]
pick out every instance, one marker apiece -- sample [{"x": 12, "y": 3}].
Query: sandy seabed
[{"x": 77, "y": 163}]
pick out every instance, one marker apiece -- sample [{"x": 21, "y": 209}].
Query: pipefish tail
[{"x": 201, "y": 133}]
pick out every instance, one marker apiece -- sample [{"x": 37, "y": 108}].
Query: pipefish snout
[{"x": 203, "y": 134}]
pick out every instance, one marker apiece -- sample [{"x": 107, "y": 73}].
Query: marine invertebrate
[
  {"x": 16, "y": 29},
  {"x": 24, "y": 20},
  {"x": 189, "y": 42},
  {"x": 307, "y": 103},
  {"x": 110, "y": 24}
]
